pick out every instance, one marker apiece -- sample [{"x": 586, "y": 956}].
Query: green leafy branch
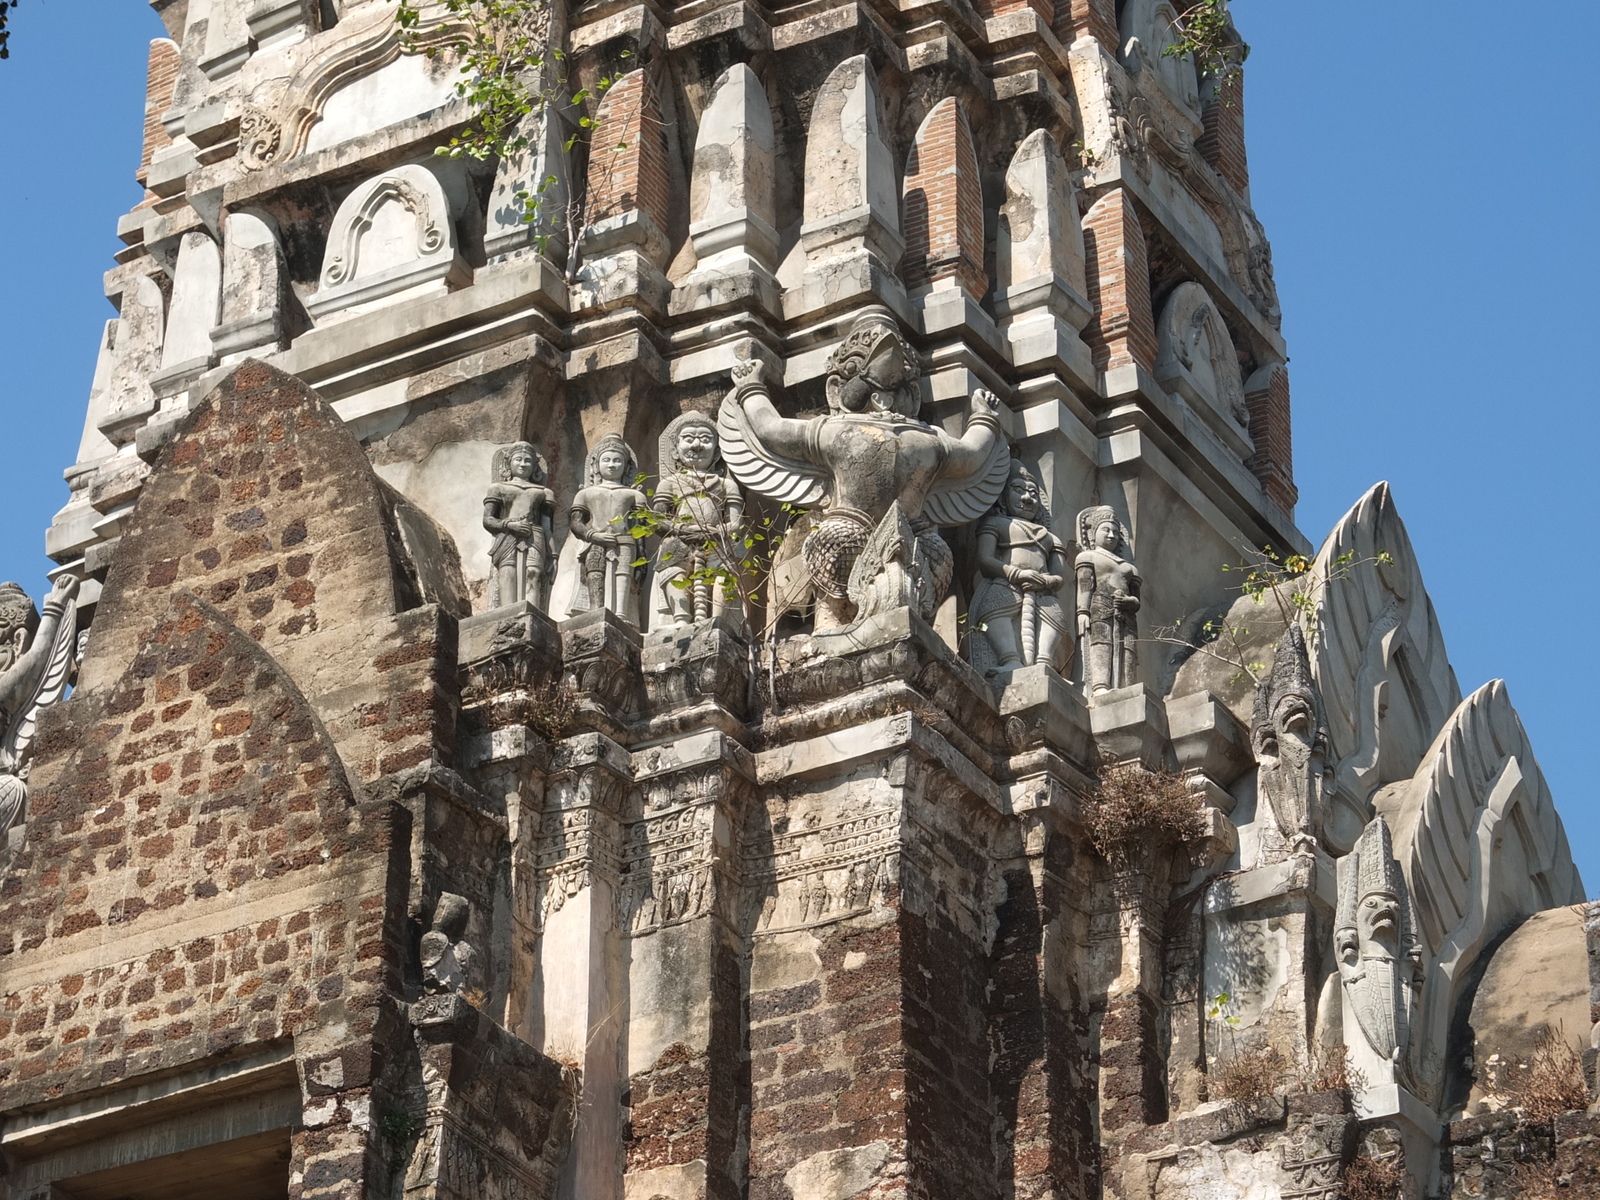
[
  {"x": 1205, "y": 32},
  {"x": 510, "y": 69},
  {"x": 1294, "y": 584}
]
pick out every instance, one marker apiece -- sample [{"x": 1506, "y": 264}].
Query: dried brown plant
[
  {"x": 1369, "y": 1178},
  {"x": 1132, "y": 806},
  {"x": 1328, "y": 1069},
  {"x": 1538, "y": 1181},
  {"x": 548, "y": 711},
  {"x": 1248, "y": 1076},
  {"x": 1552, "y": 1081}
]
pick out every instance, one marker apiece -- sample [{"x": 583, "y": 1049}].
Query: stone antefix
[
  {"x": 517, "y": 510},
  {"x": 1108, "y": 601},
  {"x": 868, "y": 462},
  {"x": 601, "y": 519},
  {"x": 404, "y": 798},
  {"x": 1016, "y": 615},
  {"x": 704, "y": 511}
]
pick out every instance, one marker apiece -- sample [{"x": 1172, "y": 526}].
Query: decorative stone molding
[
  {"x": 393, "y": 237},
  {"x": 943, "y": 222},
  {"x": 1196, "y": 359}
]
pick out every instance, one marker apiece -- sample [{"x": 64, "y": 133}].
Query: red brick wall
[
  {"x": 1123, "y": 328},
  {"x": 1089, "y": 18},
  {"x": 944, "y": 204},
  {"x": 161, "y": 78},
  {"x": 628, "y": 154},
  {"x": 1222, "y": 143},
  {"x": 1267, "y": 395}
]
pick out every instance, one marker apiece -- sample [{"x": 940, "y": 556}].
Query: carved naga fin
[
  {"x": 1481, "y": 845},
  {"x": 885, "y": 573},
  {"x": 1379, "y": 659},
  {"x": 755, "y": 465}
]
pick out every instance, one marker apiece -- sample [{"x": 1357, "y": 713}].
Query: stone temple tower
[{"x": 730, "y": 689}]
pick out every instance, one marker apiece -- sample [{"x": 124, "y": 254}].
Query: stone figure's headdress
[
  {"x": 1369, "y": 868},
  {"x": 1092, "y": 518},
  {"x": 16, "y": 610},
  {"x": 611, "y": 441},
  {"x": 667, "y": 448},
  {"x": 874, "y": 357},
  {"x": 502, "y": 462},
  {"x": 1288, "y": 689}
]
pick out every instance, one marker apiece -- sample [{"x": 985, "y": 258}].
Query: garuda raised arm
[{"x": 879, "y": 479}]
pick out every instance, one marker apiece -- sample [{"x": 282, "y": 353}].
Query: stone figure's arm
[
  {"x": 546, "y": 521},
  {"x": 578, "y": 518},
  {"x": 989, "y": 560},
  {"x": 969, "y": 454},
  {"x": 491, "y": 514},
  {"x": 1057, "y": 573},
  {"x": 1086, "y": 579},
  {"x": 781, "y": 435}
]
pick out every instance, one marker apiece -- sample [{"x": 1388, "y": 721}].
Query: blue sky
[{"x": 1427, "y": 172}]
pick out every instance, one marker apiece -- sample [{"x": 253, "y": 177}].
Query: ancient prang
[{"x": 737, "y": 687}]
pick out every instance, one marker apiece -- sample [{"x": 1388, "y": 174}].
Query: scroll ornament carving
[
  {"x": 1290, "y": 738},
  {"x": 517, "y": 510},
  {"x": 882, "y": 479},
  {"x": 599, "y": 518},
  {"x": 1379, "y": 953},
  {"x": 1015, "y": 616},
  {"x": 260, "y": 138},
  {"x": 38, "y": 657},
  {"x": 430, "y": 238},
  {"x": 1107, "y": 601}
]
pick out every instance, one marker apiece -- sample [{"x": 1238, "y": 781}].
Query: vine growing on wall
[{"x": 510, "y": 69}]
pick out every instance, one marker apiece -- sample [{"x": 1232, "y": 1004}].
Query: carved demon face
[
  {"x": 1022, "y": 497},
  {"x": 1378, "y": 925},
  {"x": 874, "y": 371},
  {"x": 697, "y": 446}
]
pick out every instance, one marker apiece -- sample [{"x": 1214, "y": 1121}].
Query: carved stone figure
[
  {"x": 517, "y": 511},
  {"x": 1380, "y": 957},
  {"x": 1015, "y": 616},
  {"x": 1108, "y": 598},
  {"x": 704, "y": 510},
  {"x": 869, "y": 454},
  {"x": 37, "y": 657},
  {"x": 607, "y": 577},
  {"x": 1290, "y": 739},
  {"x": 447, "y": 957}
]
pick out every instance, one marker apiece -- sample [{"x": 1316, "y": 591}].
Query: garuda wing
[
  {"x": 959, "y": 501},
  {"x": 760, "y": 468}
]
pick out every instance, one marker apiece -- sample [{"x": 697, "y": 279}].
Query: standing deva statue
[
  {"x": 600, "y": 519},
  {"x": 37, "y": 658},
  {"x": 1015, "y": 616},
  {"x": 1289, "y": 736},
  {"x": 881, "y": 479},
  {"x": 1108, "y": 601},
  {"x": 704, "y": 512},
  {"x": 517, "y": 511}
]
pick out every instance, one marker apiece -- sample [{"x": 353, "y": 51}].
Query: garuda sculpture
[
  {"x": 37, "y": 656},
  {"x": 1380, "y": 956},
  {"x": 1290, "y": 738},
  {"x": 880, "y": 478}
]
